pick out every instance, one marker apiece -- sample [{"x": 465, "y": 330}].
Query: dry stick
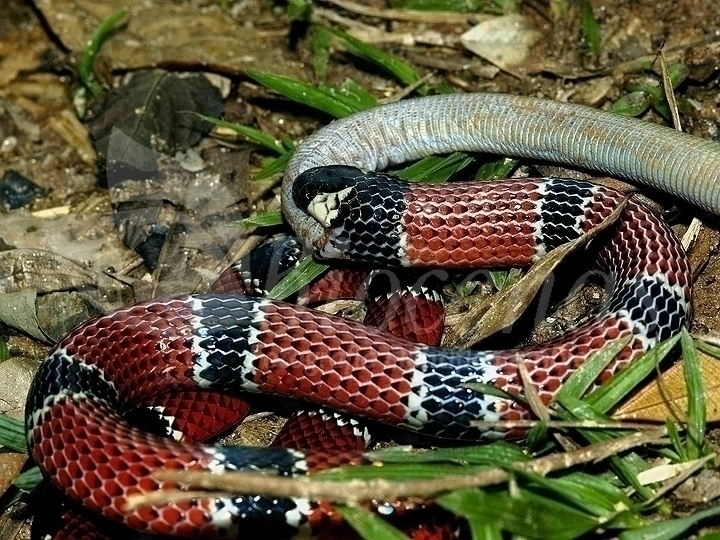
[
  {"x": 532, "y": 396},
  {"x": 354, "y": 491},
  {"x": 639, "y": 63},
  {"x": 431, "y": 17},
  {"x": 695, "y": 225},
  {"x": 669, "y": 92},
  {"x": 372, "y": 34},
  {"x": 353, "y": 24},
  {"x": 564, "y": 424},
  {"x": 410, "y": 88}
]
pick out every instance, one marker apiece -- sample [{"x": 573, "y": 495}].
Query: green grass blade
[
  {"x": 707, "y": 347},
  {"x": 12, "y": 434},
  {"x": 676, "y": 440},
  {"x": 248, "y": 133},
  {"x": 611, "y": 393},
  {"x": 359, "y": 93},
  {"x": 696, "y": 413},
  {"x": 632, "y": 104},
  {"x": 28, "y": 480},
  {"x": 352, "y": 94},
  {"x": 585, "y": 492},
  {"x": 590, "y": 27},
  {"x": 629, "y": 465},
  {"x": 369, "y": 525},
  {"x": 320, "y": 48},
  {"x": 300, "y": 276},
  {"x": 436, "y": 169},
  {"x": 494, "y": 454},
  {"x": 269, "y": 219},
  {"x": 299, "y": 10},
  {"x": 524, "y": 514},
  {"x": 582, "y": 379},
  {"x": 276, "y": 166},
  {"x": 463, "y": 6},
  {"x": 496, "y": 169},
  {"x": 302, "y": 92},
  {"x": 399, "y": 472},
  {"x": 677, "y": 73},
  {"x": 670, "y": 529},
  {"x": 484, "y": 531},
  {"x": 504, "y": 279},
  {"x": 402, "y": 71},
  {"x": 98, "y": 37}
]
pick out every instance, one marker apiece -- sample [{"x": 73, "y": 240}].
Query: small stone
[
  {"x": 190, "y": 160},
  {"x": 60, "y": 312},
  {"x": 17, "y": 191}
]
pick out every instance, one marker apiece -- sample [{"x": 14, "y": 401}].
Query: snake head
[
  {"x": 326, "y": 193},
  {"x": 360, "y": 211}
]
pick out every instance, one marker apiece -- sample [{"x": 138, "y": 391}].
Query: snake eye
[{"x": 321, "y": 192}]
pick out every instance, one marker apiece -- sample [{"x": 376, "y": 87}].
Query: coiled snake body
[{"x": 204, "y": 346}]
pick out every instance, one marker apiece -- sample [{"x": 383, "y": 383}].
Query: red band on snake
[{"x": 219, "y": 344}]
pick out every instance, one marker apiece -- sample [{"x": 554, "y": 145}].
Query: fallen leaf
[
  {"x": 666, "y": 396},
  {"x": 42, "y": 271},
  {"x": 503, "y": 309},
  {"x": 11, "y": 463},
  {"x": 166, "y": 33},
  {"x": 151, "y": 114},
  {"x": 17, "y": 310},
  {"x": 503, "y": 41}
]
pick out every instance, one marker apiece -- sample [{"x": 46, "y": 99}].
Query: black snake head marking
[
  {"x": 361, "y": 211},
  {"x": 326, "y": 193}
]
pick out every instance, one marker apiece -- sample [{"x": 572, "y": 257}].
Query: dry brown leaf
[
  {"x": 42, "y": 271},
  {"x": 503, "y": 309},
  {"x": 11, "y": 463},
  {"x": 165, "y": 33},
  {"x": 67, "y": 125},
  {"x": 666, "y": 396},
  {"x": 17, "y": 374},
  {"x": 503, "y": 41},
  {"x": 21, "y": 51}
]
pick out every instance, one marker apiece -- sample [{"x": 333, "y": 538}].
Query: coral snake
[{"x": 191, "y": 353}]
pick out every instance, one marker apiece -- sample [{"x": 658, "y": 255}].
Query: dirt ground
[{"x": 67, "y": 239}]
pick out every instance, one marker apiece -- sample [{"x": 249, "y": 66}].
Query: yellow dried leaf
[
  {"x": 10, "y": 465},
  {"x": 666, "y": 396}
]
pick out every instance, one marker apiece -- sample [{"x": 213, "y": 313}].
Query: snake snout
[{"x": 326, "y": 193}]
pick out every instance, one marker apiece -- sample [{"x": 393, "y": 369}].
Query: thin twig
[
  {"x": 669, "y": 92},
  {"x": 561, "y": 424},
  {"x": 409, "y": 89},
  {"x": 354, "y": 491},
  {"x": 373, "y": 34},
  {"x": 410, "y": 15},
  {"x": 695, "y": 225},
  {"x": 532, "y": 395}
]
